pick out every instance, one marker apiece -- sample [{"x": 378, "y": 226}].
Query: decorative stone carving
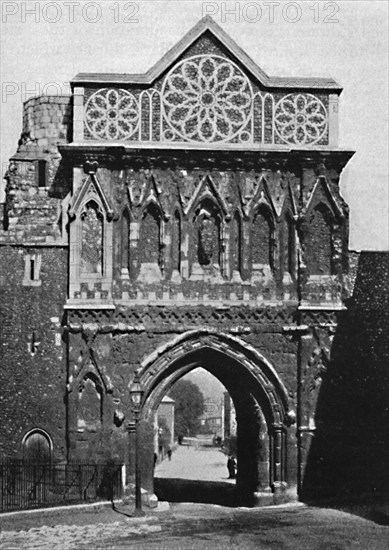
[
  {"x": 313, "y": 371},
  {"x": 318, "y": 242},
  {"x": 139, "y": 318},
  {"x": 300, "y": 119},
  {"x": 112, "y": 114},
  {"x": 90, "y": 401},
  {"x": 150, "y": 236},
  {"x": 207, "y": 98},
  {"x": 261, "y": 238},
  {"x": 208, "y": 243},
  {"x": 91, "y": 239},
  {"x": 207, "y": 239}
]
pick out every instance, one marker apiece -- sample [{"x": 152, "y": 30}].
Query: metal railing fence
[{"x": 25, "y": 485}]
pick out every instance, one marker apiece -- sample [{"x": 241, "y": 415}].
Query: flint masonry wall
[
  {"x": 33, "y": 281},
  {"x": 33, "y": 374},
  {"x": 113, "y": 357}
]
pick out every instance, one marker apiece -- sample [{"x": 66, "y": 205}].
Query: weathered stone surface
[{"x": 120, "y": 259}]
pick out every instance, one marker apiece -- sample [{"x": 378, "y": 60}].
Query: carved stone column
[{"x": 278, "y": 456}]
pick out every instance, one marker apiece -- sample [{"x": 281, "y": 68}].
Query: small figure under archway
[{"x": 231, "y": 466}]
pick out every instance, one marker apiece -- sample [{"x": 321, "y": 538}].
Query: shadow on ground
[
  {"x": 368, "y": 507},
  {"x": 188, "y": 490}
]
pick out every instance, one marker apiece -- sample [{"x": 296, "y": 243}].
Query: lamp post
[{"x": 136, "y": 394}]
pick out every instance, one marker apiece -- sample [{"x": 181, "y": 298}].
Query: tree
[{"x": 188, "y": 408}]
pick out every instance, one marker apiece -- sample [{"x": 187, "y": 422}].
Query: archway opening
[
  {"x": 195, "y": 441},
  {"x": 259, "y": 399}
]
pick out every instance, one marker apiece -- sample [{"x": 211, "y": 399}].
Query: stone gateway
[{"x": 155, "y": 223}]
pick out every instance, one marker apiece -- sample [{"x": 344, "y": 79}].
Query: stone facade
[{"x": 155, "y": 223}]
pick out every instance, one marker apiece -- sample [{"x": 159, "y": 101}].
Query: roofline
[{"x": 206, "y": 24}]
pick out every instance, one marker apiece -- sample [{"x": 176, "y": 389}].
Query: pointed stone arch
[
  {"x": 88, "y": 406},
  {"x": 90, "y": 189},
  {"x": 154, "y": 366},
  {"x": 151, "y": 231},
  {"x": 206, "y": 190},
  {"x": 262, "y": 238},
  {"x": 207, "y": 237},
  {"x": 251, "y": 381},
  {"x": 91, "y": 397},
  {"x": 90, "y": 240},
  {"x": 321, "y": 193}
]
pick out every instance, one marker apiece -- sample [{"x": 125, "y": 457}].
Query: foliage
[{"x": 188, "y": 408}]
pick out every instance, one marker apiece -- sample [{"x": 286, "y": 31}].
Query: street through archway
[
  {"x": 195, "y": 462},
  {"x": 195, "y": 473}
]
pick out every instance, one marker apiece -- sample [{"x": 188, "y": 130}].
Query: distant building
[{"x": 212, "y": 418}]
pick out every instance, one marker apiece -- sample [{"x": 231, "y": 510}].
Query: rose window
[
  {"x": 300, "y": 119},
  {"x": 112, "y": 114},
  {"x": 207, "y": 98}
]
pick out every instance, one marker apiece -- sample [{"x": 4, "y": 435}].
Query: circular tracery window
[
  {"x": 300, "y": 119},
  {"x": 112, "y": 114},
  {"x": 206, "y": 98}
]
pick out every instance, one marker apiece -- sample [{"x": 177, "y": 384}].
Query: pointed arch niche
[
  {"x": 288, "y": 247},
  {"x": 89, "y": 409},
  {"x": 318, "y": 241},
  {"x": 92, "y": 226},
  {"x": 90, "y": 402},
  {"x": 262, "y": 243},
  {"x": 90, "y": 236},
  {"x": 150, "y": 244},
  {"x": 206, "y": 252}
]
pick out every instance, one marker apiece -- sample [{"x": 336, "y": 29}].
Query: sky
[{"x": 44, "y": 44}]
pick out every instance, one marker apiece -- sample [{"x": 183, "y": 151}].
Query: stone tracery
[
  {"x": 112, "y": 114},
  {"x": 207, "y": 98},
  {"x": 300, "y": 119}
]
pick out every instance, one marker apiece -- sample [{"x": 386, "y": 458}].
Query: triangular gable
[
  {"x": 207, "y": 24},
  {"x": 90, "y": 187},
  {"x": 321, "y": 186},
  {"x": 289, "y": 201},
  {"x": 206, "y": 189},
  {"x": 90, "y": 366},
  {"x": 151, "y": 194},
  {"x": 261, "y": 195}
]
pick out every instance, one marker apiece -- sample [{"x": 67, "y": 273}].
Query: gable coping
[{"x": 207, "y": 24}]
